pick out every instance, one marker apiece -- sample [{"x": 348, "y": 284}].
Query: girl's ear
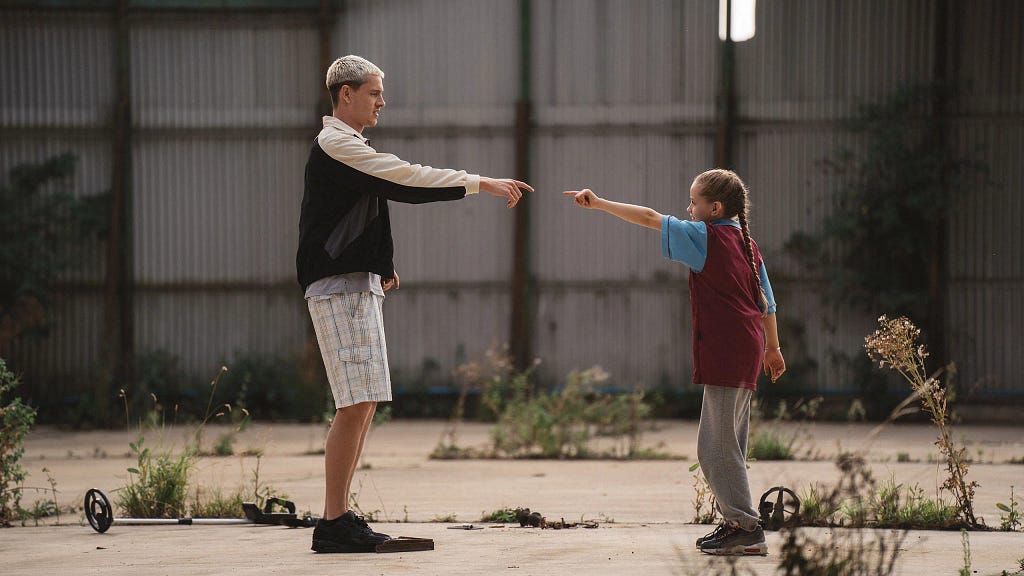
[{"x": 716, "y": 208}]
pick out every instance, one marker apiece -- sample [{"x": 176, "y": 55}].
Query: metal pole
[
  {"x": 521, "y": 345},
  {"x": 118, "y": 305},
  {"x": 945, "y": 53},
  {"x": 726, "y": 96}
]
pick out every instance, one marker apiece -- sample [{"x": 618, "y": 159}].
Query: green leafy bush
[{"x": 16, "y": 418}]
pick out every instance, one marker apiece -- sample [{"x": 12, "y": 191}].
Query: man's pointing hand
[{"x": 510, "y": 190}]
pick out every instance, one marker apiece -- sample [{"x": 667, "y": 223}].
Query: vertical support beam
[
  {"x": 325, "y": 25},
  {"x": 521, "y": 322},
  {"x": 311, "y": 363},
  {"x": 944, "y": 76},
  {"x": 726, "y": 133},
  {"x": 118, "y": 298}
]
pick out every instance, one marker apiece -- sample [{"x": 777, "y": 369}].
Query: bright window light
[{"x": 742, "y": 19}]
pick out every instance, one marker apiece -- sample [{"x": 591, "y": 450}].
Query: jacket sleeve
[{"x": 393, "y": 178}]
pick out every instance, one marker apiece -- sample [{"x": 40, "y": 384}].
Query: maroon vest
[{"x": 728, "y": 333}]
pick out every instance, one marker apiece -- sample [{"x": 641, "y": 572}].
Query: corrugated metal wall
[{"x": 225, "y": 109}]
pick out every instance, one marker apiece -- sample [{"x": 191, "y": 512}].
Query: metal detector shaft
[{"x": 179, "y": 521}]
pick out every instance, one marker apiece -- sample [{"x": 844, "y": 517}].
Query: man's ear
[{"x": 345, "y": 94}]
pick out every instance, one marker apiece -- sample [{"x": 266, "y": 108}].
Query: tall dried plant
[{"x": 894, "y": 345}]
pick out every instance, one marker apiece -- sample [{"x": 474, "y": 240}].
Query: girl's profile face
[{"x": 700, "y": 209}]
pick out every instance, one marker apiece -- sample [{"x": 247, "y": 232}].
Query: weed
[
  {"x": 770, "y": 445},
  {"x": 903, "y": 457},
  {"x": 215, "y": 504},
  {"x": 158, "y": 485},
  {"x": 816, "y": 510},
  {"x": 40, "y": 509},
  {"x": 1011, "y": 520},
  {"x": 894, "y": 345},
  {"x": 896, "y": 506},
  {"x": 541, "y": 424},
  {"x": 704, "y": 505},
  {"x": 369, "y": 515},
  {"x": 443, "y": 519},
  {"x": 16, "y": 418},
  {"x": 841, "y": 552},
  {"x": 502, "y": 515},
  {"x": 965, "y": 542}
]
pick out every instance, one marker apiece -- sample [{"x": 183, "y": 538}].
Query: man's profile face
[{"x": 366, "y": 103}]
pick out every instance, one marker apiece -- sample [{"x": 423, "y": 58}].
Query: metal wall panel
[
  {"x": 989, "y": 61},
  {"x": 224, "y": 73},
  {"x": 446, "y": 62},
  {"x": 442, "y": 328},
  {"x": 208, "y": 328},
  {"x": 65, "y": 361},
  {"x": 651, "y": 169},
  {"x": 623, "y": 62},
  {"x": 469, "y": 240},
  {"x": 216, "y": 210},
  {"x": 986, "y": 241},
  {"x": 815, "y": 60},
  {"x": 984, "y": 321},
  {"x": 624, "y": 102},
  {"x": 55, "y": 70},
  {"x": 640, "y": 335}
]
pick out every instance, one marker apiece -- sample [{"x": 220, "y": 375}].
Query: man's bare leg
[{"x": 341, "y": 454}]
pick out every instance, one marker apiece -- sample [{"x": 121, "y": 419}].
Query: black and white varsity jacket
[{"x": 344, "y": 225}]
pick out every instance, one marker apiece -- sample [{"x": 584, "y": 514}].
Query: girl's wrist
[{"x": 775, "y": 348}]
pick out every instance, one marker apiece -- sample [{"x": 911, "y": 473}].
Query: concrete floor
[{"x": 643, "y": 507}]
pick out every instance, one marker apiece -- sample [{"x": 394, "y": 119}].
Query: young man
[{"x": 345, "y": 265}]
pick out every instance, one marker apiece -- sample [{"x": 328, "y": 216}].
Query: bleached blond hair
[{"x": 351, "y": 71}]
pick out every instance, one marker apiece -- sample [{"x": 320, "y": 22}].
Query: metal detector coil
[{"x": 784, "y": 512}]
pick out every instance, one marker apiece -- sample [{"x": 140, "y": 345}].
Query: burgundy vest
[{"x": 728, "y": 333}]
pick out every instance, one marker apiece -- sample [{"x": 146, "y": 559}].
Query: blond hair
[{"x": 725, "y": 186}]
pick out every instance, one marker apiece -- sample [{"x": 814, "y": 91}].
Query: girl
[{"x": 734, "y": 336}]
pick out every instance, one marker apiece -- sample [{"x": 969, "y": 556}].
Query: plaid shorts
[{"x": 350, "y": 331}]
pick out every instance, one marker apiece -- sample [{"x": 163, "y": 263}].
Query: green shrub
[
  {"x": 769, "y": 445},
  {"x": 16, "y": 418},
  {"x": 896, "y": 506},
  {"x": 502, "y": 515},
  {"x": 158, "y": 485}
]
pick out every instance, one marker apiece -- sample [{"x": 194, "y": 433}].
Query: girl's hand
[
  {"x": 774, "y": 364},
  {"x": 584, "y": 198}
]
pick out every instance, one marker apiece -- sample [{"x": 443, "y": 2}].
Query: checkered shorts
[{"x": 350, "y": 331}]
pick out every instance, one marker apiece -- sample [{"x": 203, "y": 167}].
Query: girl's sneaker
[
  {"x": 711, "y": 535},
  {"x": 735, "y": 541}
]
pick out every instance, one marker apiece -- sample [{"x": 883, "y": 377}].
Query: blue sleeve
[
  {"x": 684, "y": 241},
  {"x": 767, "y": 287}
]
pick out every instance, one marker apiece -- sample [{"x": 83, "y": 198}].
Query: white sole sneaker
[{"x": 739, "y": 550}]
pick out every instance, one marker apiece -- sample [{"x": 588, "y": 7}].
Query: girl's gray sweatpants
[{"x": 722, "y": 452}]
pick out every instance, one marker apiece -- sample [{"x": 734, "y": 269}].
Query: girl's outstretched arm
[{"x": 640, "y": 215}]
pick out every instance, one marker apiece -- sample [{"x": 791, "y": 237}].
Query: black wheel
[
  {"x": 98, "y": 511},
  {"x": 779, "y": 507}
]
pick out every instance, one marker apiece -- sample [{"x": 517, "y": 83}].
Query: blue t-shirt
[{"x": 686, "y": 241}]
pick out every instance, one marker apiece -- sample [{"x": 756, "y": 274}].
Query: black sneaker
[
  {"x": 735, "y": 541},
  {"x": 347, "y": 533},
  {"x": 710, "y": 535}
]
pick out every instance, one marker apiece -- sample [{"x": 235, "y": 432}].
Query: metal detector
[
  {"x": 783, "y": 513},
  {"x": 101, "y": 517}
]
